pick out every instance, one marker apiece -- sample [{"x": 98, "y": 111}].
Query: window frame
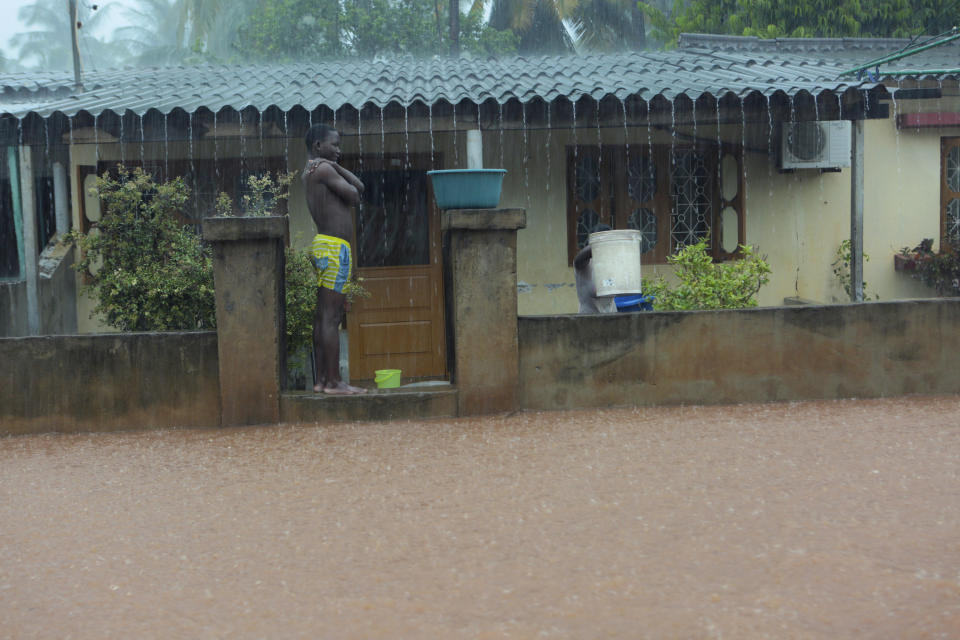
[
  {"x": 614, "y": 204},
  {"x": 946, "y": 193}
]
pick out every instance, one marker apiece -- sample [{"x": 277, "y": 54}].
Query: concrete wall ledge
[
  {"x": 236, "y": 228},
  {"x": 484, "y": 219},
  {"x": 377, "y": 406}
]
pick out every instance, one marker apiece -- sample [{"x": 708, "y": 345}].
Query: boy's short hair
[{"x": 317, "y": 132}]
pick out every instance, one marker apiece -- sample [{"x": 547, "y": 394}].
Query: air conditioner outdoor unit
[{"x": 815, "y": 145}]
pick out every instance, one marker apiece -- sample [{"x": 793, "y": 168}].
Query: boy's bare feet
[{"x": 341, "y": 388}]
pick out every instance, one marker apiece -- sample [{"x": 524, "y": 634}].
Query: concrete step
[{"x": 409, "y": 402}]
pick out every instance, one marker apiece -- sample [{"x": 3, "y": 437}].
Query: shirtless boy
[{"x": 331, "y": 191}]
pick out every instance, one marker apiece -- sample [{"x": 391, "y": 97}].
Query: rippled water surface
[{"x": 804, "y": 520}]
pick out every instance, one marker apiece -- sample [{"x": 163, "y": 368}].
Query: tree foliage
[
  {"x": 47, "y": 44},
  {"x": 287, "y": 30},
  {"x": 804, "y": 18},
  {"x": 704, "y": 284}
]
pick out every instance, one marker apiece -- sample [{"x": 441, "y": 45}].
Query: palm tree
[
  {"x": 538, "y": 23},
  {"x": 209, "y": 27},
  {"x": 153, "y": 34},
  {"x": 553, "y": 26},
  {"x": 183, "y": 31},
  {"x": 609, "y": 25},
  {"x": 48, "y": 44}
]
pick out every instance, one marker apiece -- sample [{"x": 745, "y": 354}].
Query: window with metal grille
[
  {"x": 950, "y": 192},
  {"x": 674, "y": 195}
]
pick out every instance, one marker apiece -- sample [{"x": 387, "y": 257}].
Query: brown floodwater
[{"x": 835, "y": 519}]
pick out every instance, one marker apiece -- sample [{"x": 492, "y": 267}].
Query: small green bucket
[{"x": 387, "y": 378}]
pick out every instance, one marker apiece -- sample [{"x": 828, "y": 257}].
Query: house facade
[{"x": 681, "y": 145}]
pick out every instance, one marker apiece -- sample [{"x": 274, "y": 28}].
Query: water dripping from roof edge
[
  {"x": 193, "y": 168},
  {"x": 650, "y": 132},
  {"x": 123, "y": 145},
  {"x": 743, "y": 142},
  {"x": 96, "y": 139},
  {"x": 286, "y": 143},
  {"x": 549, "y": 151},
  {"x": 430, "y": 127},
  {"x": 143, "y": 155},
  {"x": 771, "y": 153},
  {"x": 693, "y": 116},
  {"x": 406, "y": 137},
  {"x": 243, "y": 146},
  {"x": 816, "y": 117},
  {"x": 166, "y": 148},
  {"x": 260, "y": 133},
  {"x": 526, "y": 153},
  {"x": 673, "y": 132},
  {"x": 596, "y": 119},
  {"x": 896, "y": 129},
  {"x": 500, "y": 106},
  {"x": 573, "y": 128},
  {"x": 360, "y": 138}
]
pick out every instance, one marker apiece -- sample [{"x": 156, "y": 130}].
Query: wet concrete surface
[{"x": 837, "y": 519}]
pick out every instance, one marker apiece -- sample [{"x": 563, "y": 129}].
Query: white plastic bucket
[{"x": 616, "y": 262}]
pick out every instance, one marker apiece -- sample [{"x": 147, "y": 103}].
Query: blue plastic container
[
  {"x": 636, "y": 302},
  {"x": 467, "y": 188}
]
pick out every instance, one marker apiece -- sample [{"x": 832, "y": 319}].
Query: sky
[{"x": 11, "y": 25}]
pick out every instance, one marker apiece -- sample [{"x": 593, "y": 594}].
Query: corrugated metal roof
[
  {"x": 406, "y": 81},
  {"x": 846, "y": 53}
]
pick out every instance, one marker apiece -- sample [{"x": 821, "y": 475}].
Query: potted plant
[{"x": 941, "y": 271}]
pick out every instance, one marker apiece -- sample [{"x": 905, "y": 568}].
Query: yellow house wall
[
  {"x": 545, "y": 278},
  {"x": 797, "y": 220}
]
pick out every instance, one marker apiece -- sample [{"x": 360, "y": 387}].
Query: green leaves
[
  {"x": 706, "y": 285},
  {"x": 804, "y": 18},
  {"x": 292, "y": 30},
  {"x": 155, "y": 274},
  {"x": 301, "y": 298},
  {"x": 938, "y": 270},
  {"x": 841, "y": 270},
  {"x": 150, "y": 273}
]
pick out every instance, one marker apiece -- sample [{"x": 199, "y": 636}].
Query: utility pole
[
  {"x": 455, "y": 28},
  {"x": 75, "y": 44}
]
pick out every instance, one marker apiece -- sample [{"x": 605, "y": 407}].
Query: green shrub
[
  {"x": 708, "y": 285},
  {"x": 155, "y": 274},
  {"x": 301, "y": 299},
  {"x": 941, "y": 271},
  {"x": 841, "y": 270}
]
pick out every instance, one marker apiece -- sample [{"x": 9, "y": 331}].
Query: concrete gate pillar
[
  {"x": 482, "y": 295},
  {"x": 248, "y": 264}
]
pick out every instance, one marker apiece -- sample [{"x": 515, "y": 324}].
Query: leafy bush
[
  {"x": 155, "y": 273},
  {"x": 841, "y": 270},
  {"x": 706, "y": 285},
  {"x": 938, "y": 270},
  {"x": 301, "y": 300}
]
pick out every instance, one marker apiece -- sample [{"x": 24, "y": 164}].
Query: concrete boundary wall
[
  {"x": 108, "y": 382},
  {"x": 751, "y": 355},
  {"x": 155, "y": 380}
]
